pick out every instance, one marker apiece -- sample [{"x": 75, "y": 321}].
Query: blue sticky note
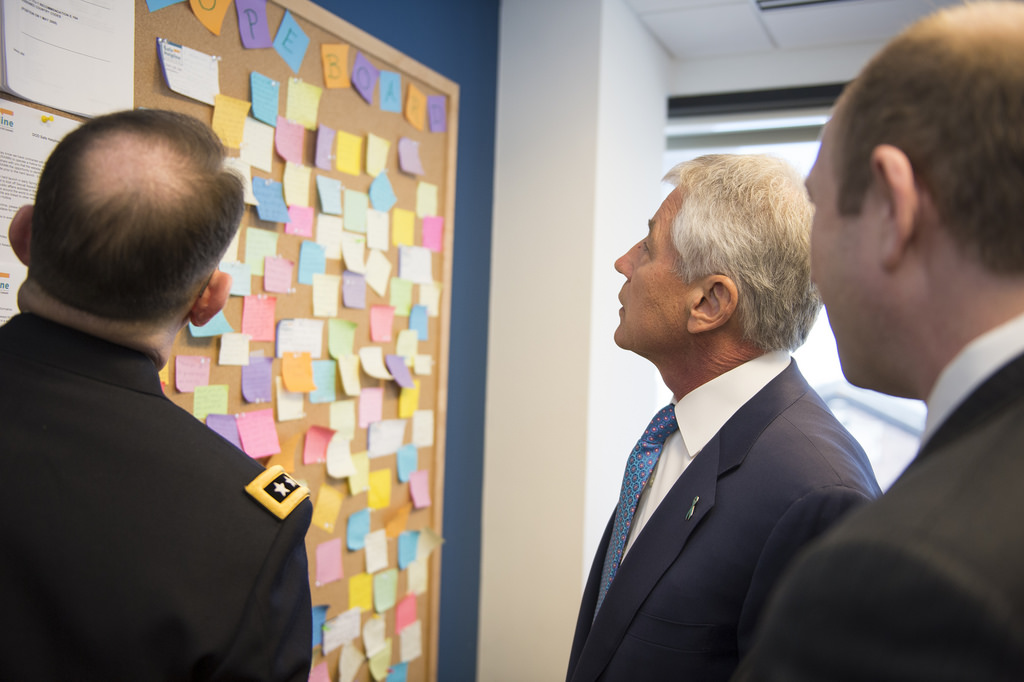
[
  {"x": 257, "y": 379},
  {"x": 382, "y": 195},
  {"x": 241, "y": 277},
  {"x": 270, "y": 200},
  {"x": 418, "y": 321},
  {"x": 325, "y": 373},
  {"x": 291, "y": 42},
  {"x": 215, "y": 327},
  {"x": 356, "y": 204},
  {"x": 390, "y": 91},
  {"x": 407, "y": 460},
  {"x": 353, "y": 290},
  {"x": 407, "y": 542},
  {"x": 358, "y": 527},
  {"x": 319, "y": 618},
  {"x": 154, "y": 5},
  {"x": 329, "y": 191},
  {"x": 312, "y": 261},
  {"x": 265, "y": 93},
  {"x": 398, "y": 672}
]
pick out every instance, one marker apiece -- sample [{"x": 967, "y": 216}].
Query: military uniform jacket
[{"x": 130, "y": 547}]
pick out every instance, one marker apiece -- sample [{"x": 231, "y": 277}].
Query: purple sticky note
[
  {"x": 291, "y": 42},
  {"x": 325, "y": 148},
  {"x": 252, "y": 23},
  {"x": 409, "y": 156},
  {"x": 364, "y": 77},
  {"x": 437, "y": 113},
  {"x": 433, "y": 229},
  {"x": 353, "y": 290},
  {"x": 289, "y": 140},
  {"x": 257, "y": 379},
  {"x": 399, "y": 370},
  {"x": 225, "y": 426}
]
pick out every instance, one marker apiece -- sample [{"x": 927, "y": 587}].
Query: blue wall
[{"x": 459, "y": 40}]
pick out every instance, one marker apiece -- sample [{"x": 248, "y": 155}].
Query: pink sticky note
[
  {"x": 328, "y": 562},
  {"x": 381, "y": 320},
  {"x": 409, "y": 156},
  {"x": 320, "y": 672},
  {"x": 258, "y": 433},
  {"x": 405, "y": 611},
  {"x": 433, "y": 228},
  {"x": 315, "y": 448},
  {"x": 277, "y": 274},
  {"x": 419, "y": 488},
  {"x": 191, "y": 371},
  {"x": 371, "y": 406},
  {"x": 289, "y": 140},
  {"x": 258, "y": 317},
  {"x": 324, "y": 159},
  {"x": 301, "y": 222}
]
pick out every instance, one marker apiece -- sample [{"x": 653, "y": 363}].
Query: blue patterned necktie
[{"x": 638, "y": 470}]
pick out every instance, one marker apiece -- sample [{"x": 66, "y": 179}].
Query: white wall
[{"x": 581, "y": 110}]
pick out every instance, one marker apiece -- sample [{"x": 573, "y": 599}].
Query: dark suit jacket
[
  {"x": 689, "y": 592},
  {"x": 130, "y": 549},
  {"x": 927, "y": 583}
]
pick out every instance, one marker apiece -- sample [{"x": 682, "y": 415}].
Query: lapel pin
[{"x": 692, "y": 505}]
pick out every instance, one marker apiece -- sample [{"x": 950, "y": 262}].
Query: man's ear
[
  {"x": 211, "y": 300},
  {"x": 718, "y": 298},
  {"x": 897, "y": 201},
  {"x": 20, "y": 233}
]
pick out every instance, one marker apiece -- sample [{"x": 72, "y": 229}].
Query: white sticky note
[
  {"x": 349, "y": 663},
  {"x": 378, "y": 225},
  {"x": 430, "y": 297},
  {"x": 423, "y": 365},
  {"x": 416, "y": 577},
  {"x": 372, "y": 360},
  {"x": 328, "y": 234},
  {"x": 341, "y": 629},
  {"x": 353, "y": 249},
  {"x": 385, "y": 437},
  {"x": 411, "y": 642},
  {"x": 376, "y": 551},
  {"x": 414, "y": 264},
  {"x": 296, "y": 182},
  {"x": 234, "y": 349},
  {"x": 348, "y": 368},
  {"x": 326, "y": 294},
  {"x": 300, "y": 335},
  {"x": 257, "y": 147},
  {"x": 378, "y": 272},
  {"x": 407, "y": 344},
  {"x": 373, "y": 635},
  {"x": 339, "y": 457},
  {"x": 343, "y": 417},
  {"x": 289, "y": 405},
  {"x": 423, "y": 428}
]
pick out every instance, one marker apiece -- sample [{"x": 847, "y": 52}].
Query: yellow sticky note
[
  {"x": 380, "y": 662},
  {"x": 397, "y": 523},
  {"x": 335, "y": 61},
  {"x": 348, "y": 368},
  {"x": 380, "y": 489},
  {"x": 403, "y": 227},
  {"x": 303, "y": 102},
  {"x": 229, "y": 119},
  {"x": 415, "y": 107},
  {"x": 348, "y": 155},
  {"x": 210, "y": 399},
  {"x": 426, "y": 199},
  {"x": 376, "y": 154},
  {"x": 296, "y": 183},
  {"x": 343, "y": 418},
  {"x": 360, "y": 480},
  {"x": 326, "y": 294},
  {"x": 325, "y": 511},
  {"x": 360, "y": 591},
  {"x": 297, "y": 372},
  {"x": 210, "y": 14},
  {"x": 165, "y": 375},
  {"x": 409, "y": 401}
]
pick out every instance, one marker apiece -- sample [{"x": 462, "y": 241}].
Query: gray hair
[{"x": 748, "y": 217}]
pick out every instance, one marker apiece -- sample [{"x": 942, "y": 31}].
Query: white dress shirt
[
  {"x": 975, "y": 363},
  {"x": 700, "y": 414}
]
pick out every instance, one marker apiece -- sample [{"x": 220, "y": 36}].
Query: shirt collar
[{"x": 704, "y": 410}]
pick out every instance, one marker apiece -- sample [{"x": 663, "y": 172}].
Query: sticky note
[
  {"x": 191, "y": 371},
  {"x": 428, "y": 542},
  {"x": 415, "y": 107},
  {"x": 259, "y": 244},
  {"x": 327, "y": 507},
  {"x": 390, "y": 91},
  {"x": 311, "y": 261},
  {"x": 300, "y": 221},
  {"x": 328, "y": 562},
  {"x": 408, "y": 399},
  {"x": 348, "y": 368},
  {"x": 356, "y": 204},
  {"x": 385, "y": 587},
  {"x": 329, "y": 191},
  {"x": 403, "y": 223},
  {"x": 334, "y": 58},
  {"x": 437, "y": 113},
  {"x": 244, "y": 171},
  {"x": 324, "y": 377},
  {"x": 371, "y": 406},
  {"x": 418, "y": 322},
  {"x": 189, "y": 72},
  {"x": 277, "y": 274},
  {"x": 430, "y": 298},
  {"x": 217, "y": 325},
  {"x": 349, "y": 662},
  {"x": 378, "y": 272},
  {"x": 433, "y": 229},
  {"x": 376, "y": 154},
  {"x": 359, "y": 481},
  {"x": 409, "y": 156},
  {"x": 399, "y": 370},
  {"x": 319, "y": 615},
  {"x": 210, "y": 399},
  {"x": 380, "y": 663},
  {"x": 358, "y": 527},
  {"x": 381, "y": 321},
  {"x": 405, "y": 612},
  {"x": 339, "y": 457},
  {"x": 257, "y": 148},
  {"x": 382, "y": 195},
  {"x": 353, "y": 290},
  {"x": 376, "y": 551},
  {"x": 397, "y": 523},
  {"x": 426, "y": 199},
  {"x": 154, "y": 5},
  {"x": 299, "y": 335},
  {"x": 210, "y": 15},
  {"x": 264, "y": 92},
  {"x": 229, "y": 119},
  {"x": 423, "y": 365},
  {"x": 257, "y": 380},
  {"x": 384, "y": 438},
  {"x": 341, "y": 629},
  {"x": 234, "y": 350},
  {"x": 326, "y": 291},
  {"x": 416, "y": 577},
  {"x": 296, "y": 185},
  {"x": 401, "y": 296},
  {"x": 253, "y": 27},
  {"x": 371, "y": 358},
  {"x": 328, "y": 234},
  {"x": 291, "y": 42},
  {"x": 343, "y": 418},
  {"x": 314, "y": 447},
  {"x": 270, "y": 204},
  {"x": 399, "y": 672},
  {"x": 297, "y": 372},
  {"x": 340, "y": 337},
  {"x": 364, "y": 77},
  {"x": 407, "y": 461},
  {"x": 419, "y": 488},
  {"x": 407, "y": 544},
  {"x": 289, "y": 405},
  {"x": 377, "y": 229},
  {"x": 423, "y": 428},
  {"x": 407, "y": 344},
  {"x": 324, "y": 155},
  {"x": 379, "y": 496},
  {"x": 415, "y": 264},
  {"x": 258, "y": 433},
  {"x": 410, "y": 644},
  {"x": 224, "y": 425},
  {"x": 286, "y": 458},
  {"x": 258, "y": 317},
  {"x": 320, "y": 671},
  {"x": 303, "y": 102},
  {"x": 289, "y": 140},
  {"x": 348, "y": 155},
  {"x": 353, "y": 246}
]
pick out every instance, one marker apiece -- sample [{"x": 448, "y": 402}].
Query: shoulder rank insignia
[{"x": 277, "y": 491}]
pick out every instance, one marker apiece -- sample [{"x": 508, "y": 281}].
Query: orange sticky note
[
  {"x": 286, "y": 458},
  {"x": 335, "y": 61},
  {"x": 210, "y": 13},
  {"x": 415, "y": 107},
  {"x": 397, "y": 523},
  {"x": 297, "y": 372}
]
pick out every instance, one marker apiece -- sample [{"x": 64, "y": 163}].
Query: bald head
[{"x": 949, "y": 93}]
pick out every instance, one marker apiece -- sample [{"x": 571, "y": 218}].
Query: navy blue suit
[{"x": 689, "y": 592}]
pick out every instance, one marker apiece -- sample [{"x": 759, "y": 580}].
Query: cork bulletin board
[{"x": 331, "y": 356}]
